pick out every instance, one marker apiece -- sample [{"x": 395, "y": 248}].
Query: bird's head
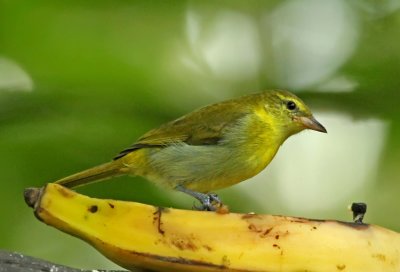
[{"x": 290, "y": 113}]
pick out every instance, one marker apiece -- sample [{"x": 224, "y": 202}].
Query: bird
[{"x": 210, "y": 148}]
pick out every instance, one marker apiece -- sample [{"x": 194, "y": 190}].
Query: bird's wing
[{"x": 202, "y": 127}]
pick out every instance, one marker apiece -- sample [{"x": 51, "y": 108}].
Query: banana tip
[{"x": 31, "y": 196}]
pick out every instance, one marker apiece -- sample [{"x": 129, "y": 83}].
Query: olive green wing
[{"x": 202, "y": 127}]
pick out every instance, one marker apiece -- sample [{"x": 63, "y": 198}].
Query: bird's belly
[
  {"x": 246, "y": 167},
  {"x": 203, "y": 168}
]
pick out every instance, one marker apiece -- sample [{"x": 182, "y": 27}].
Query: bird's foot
[{"x": 209, "y": 202}]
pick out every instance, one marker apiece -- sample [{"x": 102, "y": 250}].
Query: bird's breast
[{"x": 256, "y": 141}]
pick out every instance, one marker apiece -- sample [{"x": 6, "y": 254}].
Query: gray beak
[{"x": 311, "y": 123}]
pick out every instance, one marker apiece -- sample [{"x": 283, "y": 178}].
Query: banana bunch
[{"x": 164, "y": 239}]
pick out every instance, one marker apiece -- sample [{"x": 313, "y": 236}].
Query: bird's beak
[{"x": 311, "y": 123}]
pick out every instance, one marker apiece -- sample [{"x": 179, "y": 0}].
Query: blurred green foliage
[{"x": 98, "y": 74}]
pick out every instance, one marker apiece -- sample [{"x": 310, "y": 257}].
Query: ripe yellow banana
[{"x": 164, "y": 239}]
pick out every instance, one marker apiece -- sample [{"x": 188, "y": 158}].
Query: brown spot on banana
[
  {"x": 185, "y": 243},
  {"x": 276, "y": 246},
  {"x": 254, "y": 228},
  {"x": 379, "y": 256},
  {"x": 65, "y": 192},
  {"x": 266, "y": 232},
  {"x": 157, "y": 219},
  {"x": 207, "y": 247},
  {"x": 341, "y": 267},
  {"x": 93, "y": 208},
  {"x": 250, "y": 215}
]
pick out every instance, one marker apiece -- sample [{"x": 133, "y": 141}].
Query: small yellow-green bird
[{"x": 210, "y": 148}]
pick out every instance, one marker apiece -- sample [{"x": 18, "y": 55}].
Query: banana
[{"x": 165, "y": 239}]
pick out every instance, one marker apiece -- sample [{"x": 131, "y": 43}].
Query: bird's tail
[{"x": 97, "y": 173}]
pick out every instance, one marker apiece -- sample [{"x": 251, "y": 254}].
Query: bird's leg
[{"x": 208, "y": 201}]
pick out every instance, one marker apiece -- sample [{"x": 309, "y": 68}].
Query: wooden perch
[{"x": 17, "y": 262}]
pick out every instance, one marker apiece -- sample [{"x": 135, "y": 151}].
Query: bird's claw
[{"x": 209, "y": 202}]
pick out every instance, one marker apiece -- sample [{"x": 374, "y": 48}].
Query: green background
[{"x": 81, "y": 80}]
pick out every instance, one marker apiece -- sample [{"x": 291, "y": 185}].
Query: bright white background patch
[
  {"x": 310, "y": 40},
  {"x": 230, "y": 47}
]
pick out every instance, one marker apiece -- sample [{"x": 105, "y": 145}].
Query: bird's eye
[{"x": 290, "y": 105}]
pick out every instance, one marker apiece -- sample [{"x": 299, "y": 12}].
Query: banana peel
[{"x": 165, "y": 239}]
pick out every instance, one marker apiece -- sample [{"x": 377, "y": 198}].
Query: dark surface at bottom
[{"x": 16, "y": 262}]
